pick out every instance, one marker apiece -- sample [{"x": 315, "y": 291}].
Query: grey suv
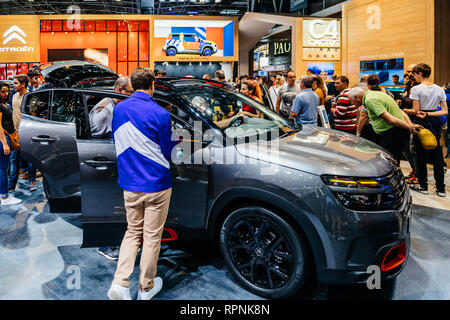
[{"x": 293, "y": 203}]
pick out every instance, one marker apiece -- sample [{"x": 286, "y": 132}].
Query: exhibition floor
[{"x": 41, "y": 258}]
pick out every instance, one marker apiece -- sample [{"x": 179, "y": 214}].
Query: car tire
[
  {"x": 171, "y": 51},
  {"x": 263, "y": 252},
  {"x": 207, "y": 52}
]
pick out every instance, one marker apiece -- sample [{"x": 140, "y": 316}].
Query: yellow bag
[{"x": 428, "y": 139}]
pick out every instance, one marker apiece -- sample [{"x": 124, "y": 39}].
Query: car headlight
[{"x": 361, "y": 194}]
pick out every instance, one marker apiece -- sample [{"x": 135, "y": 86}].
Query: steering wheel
[{"x": 236, "y": 122}]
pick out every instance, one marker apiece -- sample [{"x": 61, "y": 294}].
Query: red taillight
[
  {"x": 394, "y": 257},
  {"x": 172, "y": 235}
]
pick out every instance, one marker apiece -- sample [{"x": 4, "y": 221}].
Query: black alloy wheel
[{"x": 264, "y": 253}]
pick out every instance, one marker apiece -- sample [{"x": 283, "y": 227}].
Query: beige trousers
[{"x": 146, "y": 216}]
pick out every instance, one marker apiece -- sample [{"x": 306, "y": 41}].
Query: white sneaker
[
  {"x": 117, "y": 292},
  {"x": 148, "y": 295},
  {"x": 11, "y": 201}
]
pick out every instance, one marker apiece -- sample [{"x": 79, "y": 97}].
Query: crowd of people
[
  {"x": 11, "y": 162},
  {"x": 367, "y": 110}
]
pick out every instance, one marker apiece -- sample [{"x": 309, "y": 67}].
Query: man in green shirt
[{"x": 389, "y": 122}]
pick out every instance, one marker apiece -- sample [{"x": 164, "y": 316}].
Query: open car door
[
  {"x": 103, "y": 213},
  {"x": 52, "y": 122}
]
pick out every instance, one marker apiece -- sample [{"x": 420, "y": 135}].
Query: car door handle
[
  {"x": 100, "y": 164},
  {"x": 45, "y": 140}
]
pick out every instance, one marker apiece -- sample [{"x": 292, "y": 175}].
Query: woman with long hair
[
  {"x": 249, "y": 88},
  {"x": 258, "y": 91},
  {"x": 6, "y": 127},
  {"x": 319, "y": 89}
]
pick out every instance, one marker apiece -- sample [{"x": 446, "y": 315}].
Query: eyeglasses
[{"x": 128, "y": 91}]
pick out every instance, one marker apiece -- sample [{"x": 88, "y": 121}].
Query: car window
[
  {"x": 230, "y": 110},
  {"x": 37, "y": 104},
  {"x": 66, "y": 106},
  {"x": 176, "y": 37},
  {"x": 100, "y": 109},
  {"x": 189, "y": 39},
  {"x": 175, "y": 111}
]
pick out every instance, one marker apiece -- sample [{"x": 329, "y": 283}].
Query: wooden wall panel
[
  {"x": 442, "y": 42},
  {"x": 406, "y": 30}
]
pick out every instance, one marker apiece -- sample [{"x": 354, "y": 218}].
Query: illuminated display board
[
  {"x": 321, "y": 33},
  {"x": 19, "y": 39},
  {"x": 193, "y": 39}
]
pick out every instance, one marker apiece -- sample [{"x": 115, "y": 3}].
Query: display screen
[
  {"x": 319, "y": 67},
  {"x": 386, "y": 69},
  {"x": 193, "y": 69},
  {"x": 99, "y": 56},
  {"x": 193, "y": 38}
]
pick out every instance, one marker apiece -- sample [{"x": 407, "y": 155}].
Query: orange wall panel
[{"x": 61, "y": 40}]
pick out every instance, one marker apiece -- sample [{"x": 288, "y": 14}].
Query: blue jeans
[
  {"x": 14, "y": 170},
  {"x": 4, "y": 164}
]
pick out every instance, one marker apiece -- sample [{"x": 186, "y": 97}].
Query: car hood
[
  {"x": 69, "y": 74},
  {"x": 322, "y": 151}
]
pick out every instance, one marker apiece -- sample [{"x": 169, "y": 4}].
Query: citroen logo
[{"x": 14, "y": 33}]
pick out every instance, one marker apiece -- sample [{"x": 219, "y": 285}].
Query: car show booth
[
  {"x": 120, "y": 42},
  {"x": 315, "y": 43}
]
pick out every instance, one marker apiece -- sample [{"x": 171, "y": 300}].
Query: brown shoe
[
  {"x": 38, "y": 174},
  {"x": 25, "y": 176}
]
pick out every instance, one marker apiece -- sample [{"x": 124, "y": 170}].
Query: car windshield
[{"x": 237, "y": 115}]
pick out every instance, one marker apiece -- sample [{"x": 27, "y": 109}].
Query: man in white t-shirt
[{"x": 427, "y": 98}]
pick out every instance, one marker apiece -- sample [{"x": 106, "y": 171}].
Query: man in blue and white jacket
[{"x": 142, "y": 136}]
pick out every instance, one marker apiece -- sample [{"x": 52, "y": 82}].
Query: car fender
[{"x": 310, "y": 225}]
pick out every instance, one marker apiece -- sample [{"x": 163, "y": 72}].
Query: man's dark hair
[
  {"x": 395, "y": 76},
  {"x": 344, "y": 79},
  {"x": 23, "y": 79},
  {"x": 142, "y": 78},
  {"x": 422, "y": 68},
  {"x": 3, "y": 84},
  {"x": 373, "y": 81},
  {"x": 33, "y": 73},
  {"x": 307, "y": 81},
  {"x": 334, "y": 77}
]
